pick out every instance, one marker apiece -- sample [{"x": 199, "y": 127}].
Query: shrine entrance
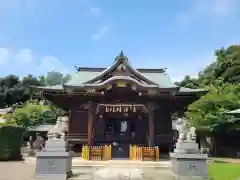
[
  {"x": 120, "y": 127},
  {"x": 123, "y": 125},
  {"x": 121, "y": 130}
]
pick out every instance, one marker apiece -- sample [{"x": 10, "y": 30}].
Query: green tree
[
  {"x": 227, "y": 63},
  {"x": 189, "y": 82},
  {"x": 33, "y": 113},
  {"x": 55, "y": 78},
  {"x": 208, "y": 114},
  {"x": 206, "y": 111}
]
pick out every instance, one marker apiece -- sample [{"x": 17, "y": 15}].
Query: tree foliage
[
  {"x": 225, "y": 69},
  {"x": 17, "y": 92},
  {"x": 209, "y": 112},
  {"x": 34, "y": 113},
  {"x": 14, "y": 90}
]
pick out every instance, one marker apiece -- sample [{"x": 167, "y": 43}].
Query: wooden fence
[
  {"x": 144, "y": 153},
  {"x": 97, "y": 153}
]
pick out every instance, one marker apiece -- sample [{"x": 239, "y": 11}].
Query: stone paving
[
  {"x": 117, "y": 170},
  {"x": 123, "y": 173}
]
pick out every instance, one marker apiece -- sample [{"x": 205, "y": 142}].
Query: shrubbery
[
  {"x": 10, "y": 142},
  {"x": 33, "y": 113}
]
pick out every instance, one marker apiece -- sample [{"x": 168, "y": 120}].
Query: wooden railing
[
  {"x": 144, "y": 153},
  {"x": 97, "y": 153}
]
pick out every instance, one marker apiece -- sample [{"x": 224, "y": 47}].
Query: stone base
[
  {"x": 54, "y": 176},
  {"x": 59, "y": 145},
  {"x": 186, "y": 146},
  {"x": 189, "y": 165},
  {"x": 53, "y": 165},
  {"x": 175, "y": 177}
]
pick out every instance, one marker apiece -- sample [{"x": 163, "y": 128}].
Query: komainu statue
[
  {"x": 185, "y": 131},
  {"x": 59, "y": 129}
]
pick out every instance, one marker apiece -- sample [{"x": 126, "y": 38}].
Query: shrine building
[{"x": 121, "y": 105}]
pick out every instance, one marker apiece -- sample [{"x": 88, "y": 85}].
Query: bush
[
  {"x": 10, "y": 142},
  {"x": 33, "y": 113}
]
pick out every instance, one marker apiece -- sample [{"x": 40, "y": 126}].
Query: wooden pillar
[
  {"x": 151, "y": 126},
  {"x": 90, "y": 124},
  {"x": 94, "y": 119},
  {"x": 69, "y": 122}
]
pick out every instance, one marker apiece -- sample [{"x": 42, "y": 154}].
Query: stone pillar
[{"x": 151, "y": 126}]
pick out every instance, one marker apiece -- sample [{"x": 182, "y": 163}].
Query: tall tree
[{"x": 56, "y": 78}]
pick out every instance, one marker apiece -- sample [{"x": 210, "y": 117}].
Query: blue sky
[{"x": 37, "y": 36}]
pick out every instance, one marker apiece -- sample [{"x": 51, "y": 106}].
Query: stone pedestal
[
  {"x": 187, "y": 147},
  {"x": 54, "y": 162},
  {"x": 188, "y": 163}
]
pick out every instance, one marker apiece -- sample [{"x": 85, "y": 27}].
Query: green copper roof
[
  {"x": 81, "y": 77},
  {"x": 94, "y": 77},
  {"x": 120, "y": 60},
  {"x": 162, "y": 79}
]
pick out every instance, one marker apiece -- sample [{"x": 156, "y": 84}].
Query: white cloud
[
  {"x": 215, "y": 8},
  {"x": 51, "y": 63},
  {"x": 95, "y": 11},
  {"x": 101, "y": 33},
  {"x": 25, "y": 61},
  {"x": 24, "y": 56}
]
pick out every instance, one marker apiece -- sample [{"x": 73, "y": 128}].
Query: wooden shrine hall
[{"x": 121, "y": 105}]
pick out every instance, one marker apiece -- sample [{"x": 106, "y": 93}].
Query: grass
[{"x": 224, "y": 171}]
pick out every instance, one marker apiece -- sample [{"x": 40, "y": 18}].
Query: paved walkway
[
  {"x": 92, "y": 170},
  {"x": 16, "y": 171},
  {"x": 77, "y": 162}
]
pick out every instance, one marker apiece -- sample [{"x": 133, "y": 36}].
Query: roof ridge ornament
[{"x": 121, "y": 56}]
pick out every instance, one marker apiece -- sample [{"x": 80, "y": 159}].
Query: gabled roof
[
  {"x": 145, "y": 78},
  {"x": 120, "y": 60},
  {"x": 149, "y": 78},
  {"x": 158, "y": 76}
]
